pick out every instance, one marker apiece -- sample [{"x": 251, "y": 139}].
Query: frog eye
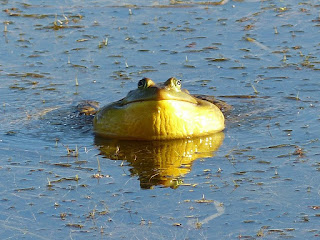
[
  {"x": 145, "y": 83},
  {"x": 177, "y": 83},
  {"x": 142, "y": 83}
]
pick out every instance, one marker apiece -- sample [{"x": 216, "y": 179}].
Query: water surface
[{"x": 259, "y": 180}]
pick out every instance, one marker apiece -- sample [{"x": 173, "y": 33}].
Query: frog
[{"x": 159, "y": 111}]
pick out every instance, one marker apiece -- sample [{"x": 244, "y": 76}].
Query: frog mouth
[{"x": 160, "y": 95}]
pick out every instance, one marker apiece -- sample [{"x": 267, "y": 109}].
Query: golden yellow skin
[{"x": 158, "y": 112}]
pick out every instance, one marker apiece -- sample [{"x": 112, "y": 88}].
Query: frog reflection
[{"x": 160, "y": 162}]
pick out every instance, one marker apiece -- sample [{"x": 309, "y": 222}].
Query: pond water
[{"x": 258, "y": 179}]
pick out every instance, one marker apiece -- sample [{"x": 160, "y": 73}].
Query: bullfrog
[{"x": 161, "y": 111}]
